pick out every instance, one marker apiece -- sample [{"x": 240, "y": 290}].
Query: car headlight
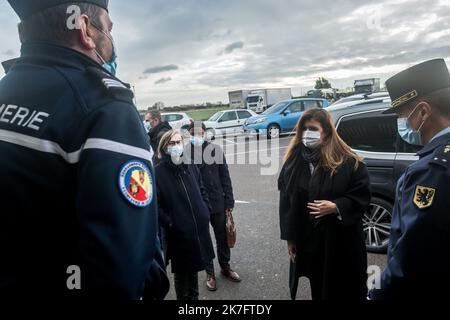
[{"x": 260, "y": 120}]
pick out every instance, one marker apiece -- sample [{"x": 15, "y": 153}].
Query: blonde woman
[
  {"x": 324, "y": 192},
  {"x": 183, "y": 215}
]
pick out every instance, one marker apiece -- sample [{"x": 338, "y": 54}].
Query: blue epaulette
[
  {"x": 441, "y": 156},
  {"x": 116, "y": 89}
]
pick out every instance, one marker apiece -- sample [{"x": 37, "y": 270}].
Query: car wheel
[
  {"x": 377, "y": 225},
  {"x": 273, "y": 131},
  {"x": 210, "y": 134}
]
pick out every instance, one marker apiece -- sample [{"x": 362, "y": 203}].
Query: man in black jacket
[
  {"x": 216, "y": 178},
  {"x": 158, "y": 128}
]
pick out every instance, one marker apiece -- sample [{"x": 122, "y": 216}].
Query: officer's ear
[
  {"x": 86, "y": 33},
  {"x": 425, "y": 110}
]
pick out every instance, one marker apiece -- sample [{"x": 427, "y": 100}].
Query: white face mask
[
  {"x": 311, "y": 139},
  {"x": 175, "y": 151}
]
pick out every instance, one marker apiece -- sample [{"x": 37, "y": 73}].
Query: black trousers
[
  {"x": 218, "y": 222},
  {"x": 186, "y": 286}
]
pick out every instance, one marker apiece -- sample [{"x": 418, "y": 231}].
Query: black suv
[{"x": 374, "y": 136}]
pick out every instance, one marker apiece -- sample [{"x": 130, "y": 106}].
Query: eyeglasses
[{"x": 173, "y": 143}]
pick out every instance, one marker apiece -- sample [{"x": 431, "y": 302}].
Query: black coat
[
  {"x": 215, "y": 176},
  {"x": 330, "y": 252},
  {"x": 184, "y": 216}
]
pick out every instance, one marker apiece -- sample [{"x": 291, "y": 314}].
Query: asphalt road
[{"x": 260, "y": 257}]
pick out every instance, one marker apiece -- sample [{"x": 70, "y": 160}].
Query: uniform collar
[
  {"x": 8, "y": 64},
  {"x": 47, "y": 53},
  {"x": 443, "y": 132},
  {"x": 434, "y": 144}
]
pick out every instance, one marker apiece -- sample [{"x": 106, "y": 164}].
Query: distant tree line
[{"x": 161, "y": 106}]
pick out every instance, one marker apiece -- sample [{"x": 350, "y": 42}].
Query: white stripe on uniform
[
  {"x": 73, "y": 157},
  {"x": 117, "y": 147}
]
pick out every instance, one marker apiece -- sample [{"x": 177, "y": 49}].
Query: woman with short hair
[{"x": 183, "y": 215}]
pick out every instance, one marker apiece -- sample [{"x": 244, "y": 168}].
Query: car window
[
  {"x": 295, "y": 107},
  {"x": 276, "y": 108},
  {"x": 244, "y": 114},
  {"x": 228, "y": 116},
  {"x": 171, "y": 117},
  {"x": 372, "y": 132},
  {"x": 311, "y": 104},
  {"x": 216, "y": 116},
  {"x": 404, "y": 147}
]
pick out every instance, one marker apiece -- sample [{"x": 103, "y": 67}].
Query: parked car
[
  {"x": 374, "y": 136},
  {"x": 177, "y": 120},
  {"x": 227, "y": 122},
  {"x": 359, "y": 97},
  {"x": 282, "y": 117}
]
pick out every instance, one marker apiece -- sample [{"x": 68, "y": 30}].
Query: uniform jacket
[
  {"x": 330, "y": 251},
  {"x": 215, "y": 176},
  {"x": 419, "y": 249},
  {"x": 67, "y": 129},
  {"x": 184, "y": 215}
]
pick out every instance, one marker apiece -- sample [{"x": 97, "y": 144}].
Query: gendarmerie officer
[
  {"x": 77, "y": 192},
  {"x": 419, "y": 250}
]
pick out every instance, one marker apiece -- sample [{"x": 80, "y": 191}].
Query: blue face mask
[
  {"x": 197, "y": 141},
  {"x": 110, "y": 66},
  {"x": 147, "y": 126},
  {"x": 407, "y": 133}
]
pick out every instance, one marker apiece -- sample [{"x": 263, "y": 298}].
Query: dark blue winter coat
[
  {"x": 184, "y": 216},
  {"x": 213, "y": 167}
]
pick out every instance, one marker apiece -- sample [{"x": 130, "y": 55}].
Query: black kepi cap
[
  {"x": 416, "y": 82},
  {"x": 26, "y": 8}
]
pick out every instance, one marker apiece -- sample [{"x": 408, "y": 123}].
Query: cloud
[
  {"x": 287, "y": 43},
  {"x": 163, "y": 80},
  {"x": 161, "y": 69},
  {"x": 234, "y": 46}
]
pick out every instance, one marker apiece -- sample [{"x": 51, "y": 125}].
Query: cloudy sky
[{"x": 193, "y": 51}]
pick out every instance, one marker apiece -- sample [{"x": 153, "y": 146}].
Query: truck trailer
[
  {"x": 260, "y": 100},
  {"x": 238, "y": 99}
]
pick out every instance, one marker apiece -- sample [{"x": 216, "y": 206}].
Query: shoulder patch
[
  {"x": 136, "y": 183},
  {"x": 424, "y": 197},
  {"x": 116, "y": 89},
  {"x": 442, "y": 156}
]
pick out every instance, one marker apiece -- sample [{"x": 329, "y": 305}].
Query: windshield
[
  {"x": 216, "y": 116},
  {"x": 276, "y": 108},
  {"x": 253, "y": 99}
]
